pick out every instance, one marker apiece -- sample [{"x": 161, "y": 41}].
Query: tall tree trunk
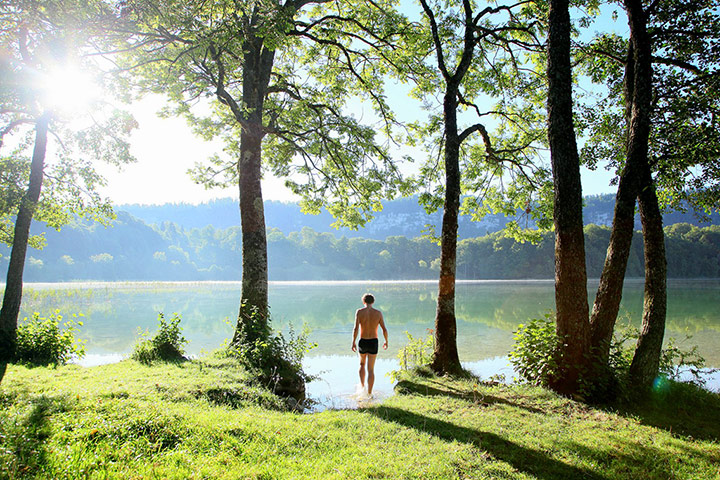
[
  {"x": 445, "y": 357},
  {"x": 571, "y": 303},
  {"x": 14, "y": 285},
  {"x": 644, "y": 366},
  {"x": 612, "y": 278},
  {"x": 253, "y": 321},
  {"x": 253, "y": 316},
  {"x": 609, "y": 292},
  {"x": 638, "y": 108}
]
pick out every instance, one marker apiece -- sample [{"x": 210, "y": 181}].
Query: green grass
[{"x": 205, "y": 419}]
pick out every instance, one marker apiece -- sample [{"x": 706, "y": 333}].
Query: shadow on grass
[
  {"x": 679, "y": 408},
  {"x": 522, "y": 458},
  {"x": 177, "y": 361},
  {"x": 3, "y": 369},
  {"x": 26, "y": 440},
  {"x": 440, "y": 389}
]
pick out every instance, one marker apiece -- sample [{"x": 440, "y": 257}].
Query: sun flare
[{"x": 70, "y": 90}]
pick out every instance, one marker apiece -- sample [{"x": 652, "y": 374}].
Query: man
[{"x": 367, "y": 321}]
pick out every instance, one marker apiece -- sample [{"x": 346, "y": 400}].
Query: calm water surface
[{"x": 488, "y": 312}]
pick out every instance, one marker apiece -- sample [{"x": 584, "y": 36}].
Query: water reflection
[
  {"x": 337, "y": 383},
  {"x": 488, "y": 312}
]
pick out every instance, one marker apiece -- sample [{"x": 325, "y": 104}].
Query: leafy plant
[
  {"x": 533, "y": 353},
  {"x": 418, "y": 351},
  {"x": 44, "y": 340},
  {"x": 532, "y": 357},
  {"x": 676, "y": 363},
  {"x": 166, "y": 345},
  {"x": 275, "y": 360}
]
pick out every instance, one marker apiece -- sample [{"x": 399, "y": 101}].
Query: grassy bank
[{"x": 203, "y": 419}]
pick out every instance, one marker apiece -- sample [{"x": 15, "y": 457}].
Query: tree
[
  {"x": 658, "y": 37},
  {"x": 638, "y": 98},
  {"x": 670, "y": 102},
  {"x": 275, "y": 76},
  {"x": 472, "y": 52},
  {"x": 573, "y": 327},
  {"x": 644, "y": 367},
  {"x": 13, "y": 286},
  {"x": 41, "y": 41}
]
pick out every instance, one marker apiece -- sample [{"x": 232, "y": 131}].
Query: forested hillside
[
  {"x": 399, "y": 217},
  {"x": 133, "y": 250}
]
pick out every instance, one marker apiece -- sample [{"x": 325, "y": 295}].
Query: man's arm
[
  {"x": 385, "y": 332},
  {"x": 355, "y": 330}
]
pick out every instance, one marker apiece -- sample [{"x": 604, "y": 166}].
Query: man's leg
[
  {"x": 363, "y": 359},
  {"x": 371, "y": 372}
]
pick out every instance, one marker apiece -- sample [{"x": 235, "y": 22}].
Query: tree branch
[
  {"x": 678, "y": 63},
  {"x": 436, "y": 39},
  {"x": 223, "y": 96},
  {"x": 10, "y": 126}
]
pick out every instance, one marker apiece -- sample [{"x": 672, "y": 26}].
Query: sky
[{"x": 166, "y": 148}]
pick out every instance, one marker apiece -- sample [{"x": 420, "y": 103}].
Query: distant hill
[
  {"x": 203, "y": 242},
  {"x": 132, "y": 250},
  {"x": 399, "y": 217},
  {"x": 302, "y": 247}
]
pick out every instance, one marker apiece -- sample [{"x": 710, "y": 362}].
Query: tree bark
[
  {"x": 638, "y": 98},
  {"x": 253, "y": 317},
  {"x": 609, "y": 292},
  {"x": 14, "y": 284},
  {"x": 571, "y": 303},
  {"x": 644, "y": 367},
  {"x": 645, "y": 363},
  {"x": 445, "y": 357},
  {"x": 253, "y": 323}
]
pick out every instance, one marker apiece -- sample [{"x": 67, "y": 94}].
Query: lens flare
[
  {"x": 661, "y": 384},
  {"x": 69, "y": 90}
]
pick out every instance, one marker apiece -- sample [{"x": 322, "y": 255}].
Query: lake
[{"x": 488, "y": 313}]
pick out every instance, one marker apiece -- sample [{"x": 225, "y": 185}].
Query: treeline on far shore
[{"x": 131, "y": 250}]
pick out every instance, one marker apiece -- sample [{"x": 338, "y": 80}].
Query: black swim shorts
[{"x": 368, "y": 345}]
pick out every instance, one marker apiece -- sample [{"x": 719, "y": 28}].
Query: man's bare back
[{"x": 368, "y": 320}]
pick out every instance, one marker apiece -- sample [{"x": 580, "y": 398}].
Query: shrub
[
  {"x": 276, "y": 361},
  {"x": 166, "y": 345},
  {"x": 532, "y": 357},
  {"x": 533, "y": 353},
  {"x": 416, "y": 354},
  {"x": 677, "y": 363},
  {"x": 45, "y": 341}
]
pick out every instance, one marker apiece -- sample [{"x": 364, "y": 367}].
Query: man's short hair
[{"x": 368, "y": 299}]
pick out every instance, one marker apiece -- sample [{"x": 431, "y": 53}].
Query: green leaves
[
  {"x": 166, "y": 345},
  {"x": 229, "y": 66},
  {"x": 500, "y": 112},
  {"x": 684, "y": 144},
  {"x": 45, "y": 340},
  {"x": 41, "y": 41},
  {"x": 533, "y": 355}
]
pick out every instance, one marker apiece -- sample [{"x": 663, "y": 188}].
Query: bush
[
  {"x": 533, "y": 353},
  {"x": 276, "y": 361},
  {"x": 167, "y": 344},
  {"x": 44, "y": 341},
  {"x": 533, "y": 358},
  {"x": 416, "y": 354},
  {"x": 677, "y": 363}
]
